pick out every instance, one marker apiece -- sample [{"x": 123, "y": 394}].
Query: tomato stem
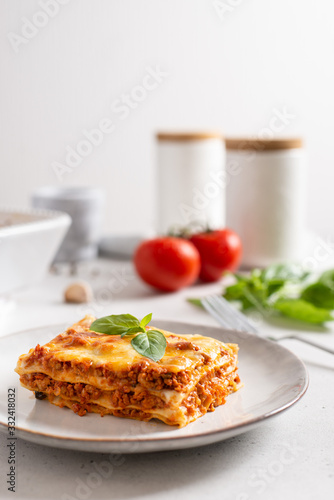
[{"x": 186, "y": 232}]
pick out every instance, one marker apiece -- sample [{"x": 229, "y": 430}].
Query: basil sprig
[{"x": 149, "y": 343}]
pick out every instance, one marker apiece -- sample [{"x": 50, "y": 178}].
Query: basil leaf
[
  {"x": 240, "y": 277},
  {"x": 280, "y": 273},
  {"x": 145, "y": 321},
  {"x": 319, "y": 295},
  {"x": 151, "y": 344},
  {"x": 134, "y": 329},
  {"x": 116, "y": 324},
  {"x": 303, "y": 311},
  {"x": 196, "y": 302},
  {"x": 327, "y": 278},
  {"x": 250, "y": 293},
  {"x": 235, "y": 292}
]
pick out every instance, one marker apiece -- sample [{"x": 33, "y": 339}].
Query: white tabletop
[{"x": 289, "y": 456}]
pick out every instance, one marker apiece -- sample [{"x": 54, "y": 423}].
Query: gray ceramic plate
[{"x": 273, "y": 377}]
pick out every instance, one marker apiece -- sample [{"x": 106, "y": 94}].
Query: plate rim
[{"x": 26, "y": 433}]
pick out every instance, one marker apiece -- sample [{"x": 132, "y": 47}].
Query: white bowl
[{"x": 29, "y": 240}]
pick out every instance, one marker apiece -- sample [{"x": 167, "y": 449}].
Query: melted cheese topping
[{"x": 183, "y": 352}]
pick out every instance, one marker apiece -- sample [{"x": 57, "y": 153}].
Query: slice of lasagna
[{"x": 94, "y": 372}]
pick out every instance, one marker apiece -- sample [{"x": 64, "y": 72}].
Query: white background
[{"x": 226, "y": 72}]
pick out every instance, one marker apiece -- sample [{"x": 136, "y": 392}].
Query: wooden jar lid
[
  {"x": 188, "y": 136},
  {"x": 245, "y": 143}
]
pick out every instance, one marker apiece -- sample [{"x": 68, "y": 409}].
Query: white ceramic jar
[
  {"x": 85, "y": 206},
  {"x": 266, "y": 198},
  {"x": 191, "y": 180}
]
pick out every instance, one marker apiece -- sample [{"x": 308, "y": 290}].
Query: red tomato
[
  {"x": 219, "y": 250},
  {"x": 167, "y": 263}
]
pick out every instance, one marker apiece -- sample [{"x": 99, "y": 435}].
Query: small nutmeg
[{"x": 78, "y": 293}]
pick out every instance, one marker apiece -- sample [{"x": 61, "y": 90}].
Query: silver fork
[{"x": 229, "y": 317}]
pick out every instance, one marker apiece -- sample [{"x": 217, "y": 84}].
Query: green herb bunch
[{"x": 284, "y": 289}]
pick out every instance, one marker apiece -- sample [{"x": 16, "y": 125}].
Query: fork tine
[
  {"x": 216, "y": 315},
  {"x": 225, "y": 318},
  {"x": 229, "y": 314},
  {"x": 222, "y": 316},
  {"x": 229, "y": 317},
  {"x": 243, "y": 320},
  {"x": 208, "y": 307},
  {"x": 227, "y": 309}
]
